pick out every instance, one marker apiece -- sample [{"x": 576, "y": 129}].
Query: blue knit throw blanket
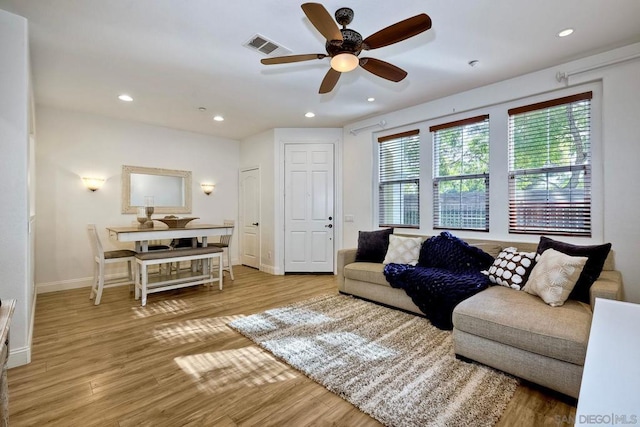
[{"x": 448, "y": 272}]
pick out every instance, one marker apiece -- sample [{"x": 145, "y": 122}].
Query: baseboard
[
  {"x": 32, "y": 320},
  {"x": 63, "y": 285},
  {"x": 271, "y": 269},
  {"x": 19, "y": 356}
]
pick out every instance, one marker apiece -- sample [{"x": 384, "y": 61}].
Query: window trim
[{"x": 380, "y": 183}]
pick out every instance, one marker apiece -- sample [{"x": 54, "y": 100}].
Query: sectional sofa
[{"x": 503, "y": 328}]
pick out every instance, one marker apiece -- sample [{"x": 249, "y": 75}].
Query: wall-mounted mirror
[{"x": 171, "y": 189}]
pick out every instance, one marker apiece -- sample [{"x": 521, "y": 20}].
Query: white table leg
[
  {"x": 136, "y": 285},
  {"x": 220, "y": 268},
  {"x": 144, "y": 285}
]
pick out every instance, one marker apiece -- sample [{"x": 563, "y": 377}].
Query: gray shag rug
[{"x": 394, "y": 366}]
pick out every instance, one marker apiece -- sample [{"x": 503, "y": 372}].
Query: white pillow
[
  {"x": 403, "y": 250},
  {"x": 554, "y": 276}
]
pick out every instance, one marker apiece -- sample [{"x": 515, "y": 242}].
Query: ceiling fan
[{"x": 344, "y": 45}]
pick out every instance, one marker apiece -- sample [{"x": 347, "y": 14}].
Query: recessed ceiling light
[
  {"x": 309, "y": 114},
  {"x": 202, "y": 108},
  {"x": 371, "y": 99},
  {"x": 124, "y": 97},
  {"x": 218, "y": 118},
  {"x": 566, "y": 32},
  {"x": 473, "y": 62}
]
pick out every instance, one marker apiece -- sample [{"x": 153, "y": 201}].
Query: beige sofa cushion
[
  {"x": 524, "y": 321},
  {"x": 366, "y": 272}
]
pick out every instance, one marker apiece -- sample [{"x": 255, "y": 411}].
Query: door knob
[
  {"x": 255, "y": 223},
  {"x": 329, "y": 226}
]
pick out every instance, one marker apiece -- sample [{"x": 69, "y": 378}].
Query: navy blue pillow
[
  {"x": 373, "y": 245},
  {"x": 596, "y": 256},
  {"x": 451, "y": 253}
]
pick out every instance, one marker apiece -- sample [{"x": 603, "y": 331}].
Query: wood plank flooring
[{"x": 176, "y": 363}]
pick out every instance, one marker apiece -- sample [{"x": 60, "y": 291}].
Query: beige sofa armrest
[
  {"x": 345, "y": 256},
  {"x": 608, "y": 285}
]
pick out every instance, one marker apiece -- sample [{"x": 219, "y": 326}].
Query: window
[
  {"x": 399, "y": 183},
  {"x": 461, "y": 174},
  {"x": 550, "y": 167}
]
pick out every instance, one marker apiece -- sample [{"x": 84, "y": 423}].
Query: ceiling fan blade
[
  {"x": 323, "y": 22},
  {"x": 397, "y": 32},
  {"x": 383, "y": 69},
  {"x": 329, "y": 81},
  {"x": 292, "y": 58}
]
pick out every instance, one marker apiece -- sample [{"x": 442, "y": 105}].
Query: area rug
[{"x": 394, "y": 366}]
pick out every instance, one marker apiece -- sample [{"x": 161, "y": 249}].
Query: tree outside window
[{"x": 461, "y": 174}]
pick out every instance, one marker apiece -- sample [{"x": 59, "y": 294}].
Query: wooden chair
[
  {"x": 224, "y": 244},
  {"x": 101, "y": 259}
]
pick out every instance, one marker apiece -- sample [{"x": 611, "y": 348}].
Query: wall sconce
[
  {"x": 207, "y": 188},
  {"x": 93, "y": 184}
]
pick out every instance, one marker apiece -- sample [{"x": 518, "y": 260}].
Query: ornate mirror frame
[{"x": 128, "y": 207}]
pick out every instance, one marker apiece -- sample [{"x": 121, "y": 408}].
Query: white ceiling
[{"x": 174, "y": 56}]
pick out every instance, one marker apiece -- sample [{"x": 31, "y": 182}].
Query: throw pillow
[
  {"x": 596, "y": 254},
  {"x": 403, "y": 250},
  {"x": 511, "y": 268},
  {"x": 554, "y": 276},
  {"x": 372, "y": 245},
  {"x": 451, "y": 253}
]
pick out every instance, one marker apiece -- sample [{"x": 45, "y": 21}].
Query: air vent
[{"x": 265, "y": 46}]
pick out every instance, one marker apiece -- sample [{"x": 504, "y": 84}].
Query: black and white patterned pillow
[{"x": 511, "y": 268}]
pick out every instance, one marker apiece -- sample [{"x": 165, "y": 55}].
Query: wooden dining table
[{"x": 141, "y": 236}]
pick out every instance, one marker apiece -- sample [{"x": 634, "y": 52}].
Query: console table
[
  {"x": 609, "y": 389},
  {"x": 6, "y": 311}
]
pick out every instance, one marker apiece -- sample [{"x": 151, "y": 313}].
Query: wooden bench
[{"x": 167, "y": 279}]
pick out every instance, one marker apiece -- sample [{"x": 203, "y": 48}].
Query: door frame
[
  {"x": 283, "y": 137},
  {"x": 241, "y": 218}
]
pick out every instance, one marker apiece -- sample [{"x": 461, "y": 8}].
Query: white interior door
[
  {"x": 249, "y": 224},
  {"x": 309, "y": 208}
]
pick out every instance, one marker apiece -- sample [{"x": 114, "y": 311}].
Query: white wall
[
  {"x": 267, "y": 151},
  {"x": 14, "y": 159},
  {"x": 621, "y": 134},
  {"x": 619, "y": 150},
  {"x": 259, "y": 150},
  {"x": 72, "y": 145}
]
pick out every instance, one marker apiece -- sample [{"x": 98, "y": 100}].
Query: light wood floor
[{"x": 176, "y": 363}]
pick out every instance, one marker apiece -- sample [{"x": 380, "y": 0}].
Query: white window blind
[
  {"x": 399, "y": 183},
  {"x": 550, "y": 167},
  {"x": 461, "y": 174}
]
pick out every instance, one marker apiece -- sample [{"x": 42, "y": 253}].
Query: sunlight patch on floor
[
  {"x": 272, "y": 320},
  {"x": 193, "y": 330},
  {"x": 293, "y": 316},
  {"x": 236, "y": 368},
  {"x": 173, "y": 306},
  {"x": 356, "y": 345}
]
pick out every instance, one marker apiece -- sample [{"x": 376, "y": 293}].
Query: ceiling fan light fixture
[{"x": 344, "y": 62}]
